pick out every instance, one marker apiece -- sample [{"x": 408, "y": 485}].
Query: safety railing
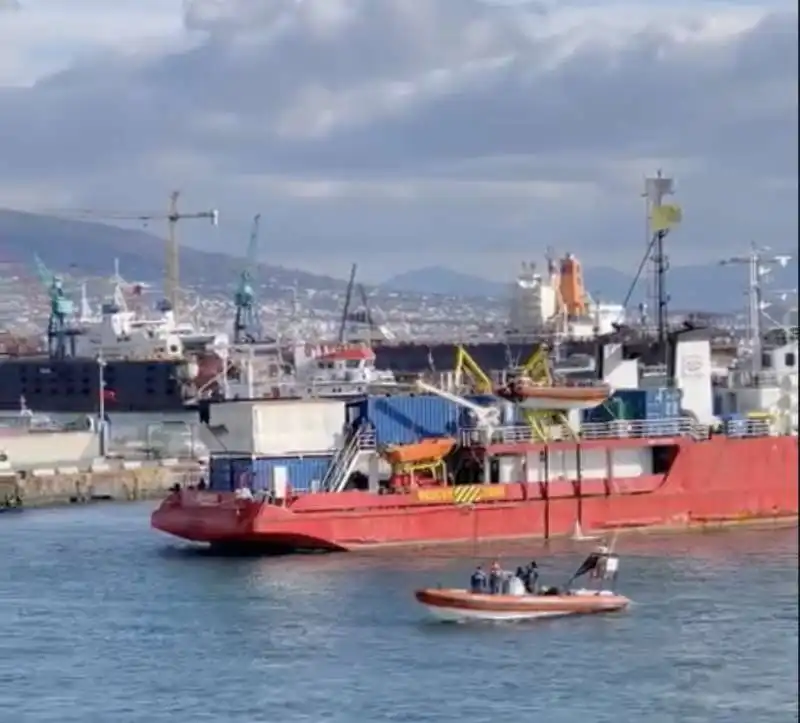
[{"x": 619, "y": 429}]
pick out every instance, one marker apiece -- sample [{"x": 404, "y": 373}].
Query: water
[{"x": 104, "y": 620}]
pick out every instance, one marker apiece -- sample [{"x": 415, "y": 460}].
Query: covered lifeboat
[{"x": 530, "y": 395}]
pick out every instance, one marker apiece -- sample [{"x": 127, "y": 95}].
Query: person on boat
[
  {"x": 478, "y": 582},
  {"x": 495, "y": 578},
  {"x": 607, "y": 567},
  {"x": 531, "y": 577},
  {"x": 591, "y": 564}
]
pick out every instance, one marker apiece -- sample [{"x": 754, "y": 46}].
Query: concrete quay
[{"x": 117, "y": 480}]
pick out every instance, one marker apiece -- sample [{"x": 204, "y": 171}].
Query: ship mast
[
  {"x": 655, "y": 191},
  {"x": 759, "y": 263}
]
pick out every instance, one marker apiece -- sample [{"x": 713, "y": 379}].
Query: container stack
[{"x": 657, "y": 404}]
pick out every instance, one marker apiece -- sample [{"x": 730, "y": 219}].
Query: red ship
[
  {"x": 508, "y": 482},
  {"x": 695, "y": 481}
]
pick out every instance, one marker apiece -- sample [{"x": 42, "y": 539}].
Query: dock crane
[
  {"x": 60, "y": 335},
  {"x": 172, "y": 216},
  {"x": 246, "y": 325}
]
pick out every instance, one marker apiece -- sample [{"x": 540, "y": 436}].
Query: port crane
[
  {"x": 60, "y": 333},
  {"x": 172, "y": 216},
  {"x": 246, "y": 325}
]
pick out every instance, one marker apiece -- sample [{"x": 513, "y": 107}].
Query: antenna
[{"x": 759, "y": 264}]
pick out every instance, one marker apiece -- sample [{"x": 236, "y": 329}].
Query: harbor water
[{"x": 105, "y": 620}]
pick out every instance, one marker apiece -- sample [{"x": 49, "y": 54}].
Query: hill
[
  {"x": 705, "y": 287},
  {"x": 92, "y": 248}
]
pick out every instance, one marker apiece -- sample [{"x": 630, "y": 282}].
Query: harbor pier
[{"x": 112, "y": 480}]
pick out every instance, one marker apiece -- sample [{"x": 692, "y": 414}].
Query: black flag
[{"x": 589, "y": 564}]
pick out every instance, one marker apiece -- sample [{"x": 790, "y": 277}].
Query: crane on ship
[
  {"x": 487, "y": 419},
  {"x": 172, "y": 216},
  {"x": 247, "y": 325},
  {"x": 360, "y": 316},
  {"x": 536, "y": 370},
  {"x": 60, "y": 333}
]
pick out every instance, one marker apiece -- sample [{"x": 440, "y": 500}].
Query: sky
[{"x": 407, "y": 133}]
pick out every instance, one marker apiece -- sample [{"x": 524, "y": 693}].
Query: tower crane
[
  {"x": 172, "y": 216},
  {"x": 247, "y": 326},
  {"x": 60, "y": 335}
]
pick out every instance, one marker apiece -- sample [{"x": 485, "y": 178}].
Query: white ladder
[{"x": 343, "y": 464}]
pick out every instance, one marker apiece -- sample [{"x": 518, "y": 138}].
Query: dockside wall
[{"x": 120, "y": 481}]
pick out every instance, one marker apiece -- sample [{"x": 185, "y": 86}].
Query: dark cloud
[{"x": 392, "y": 90}]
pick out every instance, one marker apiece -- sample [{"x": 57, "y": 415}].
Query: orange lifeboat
[
  {"x": 428, "y": 450},
  {"x": 532, "y": 396},
  {"x": 464, "y": 606}
]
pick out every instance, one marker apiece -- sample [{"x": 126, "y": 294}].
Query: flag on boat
[{"x": 663, "y": 218}]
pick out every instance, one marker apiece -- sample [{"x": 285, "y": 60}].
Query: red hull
[{"x": 710, "y": 482}]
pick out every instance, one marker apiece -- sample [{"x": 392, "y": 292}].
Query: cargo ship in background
[
  {"x": 535, "y": 457},
  {"x": 155, "y": 363}
]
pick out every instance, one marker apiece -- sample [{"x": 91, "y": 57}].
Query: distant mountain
[
  {"x": 709, "y": 287},
  {"x": 441, "y": 280},
  {"x": 92, "y": 247}
]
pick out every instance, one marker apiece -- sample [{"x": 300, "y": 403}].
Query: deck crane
[
  {"x": 172, "y": 216},
  {"x": 60, "y": 334},
  {"x": 487, "y": 419},
  {"x": 246, "y": 325}
]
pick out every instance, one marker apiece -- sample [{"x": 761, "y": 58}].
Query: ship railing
[
  {"x": 622, "y": 429},
  {"x": 741, "y": 428}
]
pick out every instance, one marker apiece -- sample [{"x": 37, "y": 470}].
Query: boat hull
[
  {"x": 449, "y": 605},
  {"x": 710, "y": 483}
]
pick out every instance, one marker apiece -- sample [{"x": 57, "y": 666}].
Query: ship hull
[
  {"x": 710, "y": 482},
  {"x": 73, "y": 385}
]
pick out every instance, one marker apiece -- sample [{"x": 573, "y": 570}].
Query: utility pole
[
  {"x": 759, "y": 263},
  {"x": 172, "y": 275}
]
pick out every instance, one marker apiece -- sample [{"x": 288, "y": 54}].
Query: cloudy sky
[{"x": 410, "y": 132}]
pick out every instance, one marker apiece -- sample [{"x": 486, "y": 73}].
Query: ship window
[
  {"x": 352, "y": 363},
  {"x": 766, "y": 361},
  {"x": 790, "y": 359}
]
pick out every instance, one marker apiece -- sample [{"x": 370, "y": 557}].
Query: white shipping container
[
  {"x": 276, "y": 427},
  {"x": 301, "y": 426}
]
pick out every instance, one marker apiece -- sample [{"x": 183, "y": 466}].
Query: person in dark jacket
[
  {"x": 531, "y": 578},
  {"x": 495, "y": 578},
  {"x": 478, "y": 582}
]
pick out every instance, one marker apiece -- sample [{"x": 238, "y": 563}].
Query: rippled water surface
[{"x": 104, "y": 620}]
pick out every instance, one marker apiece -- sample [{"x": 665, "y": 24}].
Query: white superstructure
[{"x": 556, "y": 302}]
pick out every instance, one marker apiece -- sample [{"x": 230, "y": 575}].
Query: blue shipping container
[
  {"x": 405, "y": 419},
  {"x": 227, "y": 473},
  {"x": 639, "y": 404},
  {"x": 224, "y": 471},
  {"x": 304, "y": 474},
  {"x": 663, "y": 403}
]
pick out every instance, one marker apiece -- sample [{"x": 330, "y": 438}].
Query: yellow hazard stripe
[{"x": 462, "y": 494}]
